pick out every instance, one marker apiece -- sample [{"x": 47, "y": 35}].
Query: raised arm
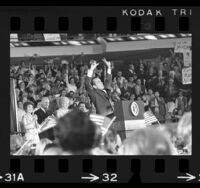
[
  {"x": 67, "y": 76},
  {"x": 88, "y": 79},
  {"x": 109, "y": 70}
]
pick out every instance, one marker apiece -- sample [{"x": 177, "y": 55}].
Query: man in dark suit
[
  {"x": 96, "y": 90},
  {"x": 42, "y": 113},
  {"x": 130, "y": 72}
]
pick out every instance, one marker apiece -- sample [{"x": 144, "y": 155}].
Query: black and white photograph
[{"x": 100, "y": 94}]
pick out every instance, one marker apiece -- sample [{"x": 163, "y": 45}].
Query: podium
[{"x": 129, "y": 117}]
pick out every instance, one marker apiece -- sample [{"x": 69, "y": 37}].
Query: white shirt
[{"x": 71, "y": 87}]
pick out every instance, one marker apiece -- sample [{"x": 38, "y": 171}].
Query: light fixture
[
  {"x": 171, "y": 35},
  {"x": 119, "y": 39},
  {"x": 183, "y": 35},
  {"x": 11, "y": 45},
  {"x": 16, "y": 44},
  {"x": 163, "y": 36},
  {"x": 133, "y": 38},
  {"x": 91, "y": 42},
  {"x": 150, "y": 37},
  {"x": 110, "y": 39},
  {"x": 64, "y": 43},
  {"x": 83, "y": 42},
  {"x": 24, "y": 44},
  {"x": 56, "y": 43},
  {"x": 72, "y": 42}
]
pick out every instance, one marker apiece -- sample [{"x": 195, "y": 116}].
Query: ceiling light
[
  {"x": 24, "y": 44},
  {"x": 150, "y": 37},
  {"x": 110, "y": 39},
  {"x": 91, "y": 42},
  {"x": 119, "y": 39},
  {"x": 163, "y": 36},
  {"x": 64, "y": 43},
  {"x": 133, "y": 38},
  {"x": 72, "y": 42},
  {"x": 171, "y": 35},
  {"x": 56, "y": 43},
  {"x": 83, "y": 42}
]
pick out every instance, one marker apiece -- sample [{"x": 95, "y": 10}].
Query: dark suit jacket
[
  {"x": 99, "y": 98},
  {"x": 41, "y": 117}
]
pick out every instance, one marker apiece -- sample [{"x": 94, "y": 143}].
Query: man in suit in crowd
[
  {"x": 130, "y": 72},
  {"x": 42, "y": 113},
  {"x": 97, "y": 91},
  {"x": 157, "y": 105}
]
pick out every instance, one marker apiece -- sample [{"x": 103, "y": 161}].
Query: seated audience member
[
  {"x": 184, "y": 131},
  {"x": 146, "y": 102},
  {"x": 120, "y": 79},
  {"x": 82, "y": 107},
  {"x": 157, "y": 106},
  {"x": 131, "y": 82},
  {"x": 170, "y": 89},
  {"x": 131, "y": 71},
  {"x": 63, "y": 107},
  {"x": 150, "y": 95},
  {"x": 63, "y": 93},
  {"x": 181, "y": 103},
  {"x": 71, "y": 98},
  {"x": 139, "y": 84},
  {"x": 132, "y": 97},
  {"x": 148, "y": 141},
  {"x": 75, "y": 133},
  {"x": 125, "y": 91},
  {"x": 170, "y": 107},
  {"x": 115, "y": 88}
]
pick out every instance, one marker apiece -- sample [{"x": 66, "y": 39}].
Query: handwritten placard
[
  {"x": 187, "y": 58},
  {"x": 187, "y": 75},
  {"x": 182, "y": 46},
  {"x": 52, "y": 37}
]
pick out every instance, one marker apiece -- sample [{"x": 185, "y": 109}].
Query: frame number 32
[{"x": 109, "y": 177}]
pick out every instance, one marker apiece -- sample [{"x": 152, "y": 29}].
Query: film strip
[{"x": 89, "y": 168}]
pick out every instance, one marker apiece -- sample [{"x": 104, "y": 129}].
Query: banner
[
  {"x": 187, "y": 75},
  {"x": 52, "y": 37},
  {"x": 182, "y": 46},
  {"x": 187, "y": 58},
  {"x": 13, "y": 37}
]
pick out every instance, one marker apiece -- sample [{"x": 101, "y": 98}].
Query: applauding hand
[
  {"x": 94, "y": 64},
  {"x": 108, "y": 63}
]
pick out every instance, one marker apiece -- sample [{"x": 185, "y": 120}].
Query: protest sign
[
  {"x": 187, "y": 75},
  {"x": 187, "y": 58},
  {"x": 182, "y": 46}
]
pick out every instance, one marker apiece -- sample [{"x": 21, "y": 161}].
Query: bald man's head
[{"x": 45, "y": 102}]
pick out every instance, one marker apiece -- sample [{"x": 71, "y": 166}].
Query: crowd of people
[{"x": 71, "y": 91}]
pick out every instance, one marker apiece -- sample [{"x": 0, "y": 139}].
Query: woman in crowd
[
  {"x": 63, "y": 107},
  {"x": 30, "y": 123}
]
